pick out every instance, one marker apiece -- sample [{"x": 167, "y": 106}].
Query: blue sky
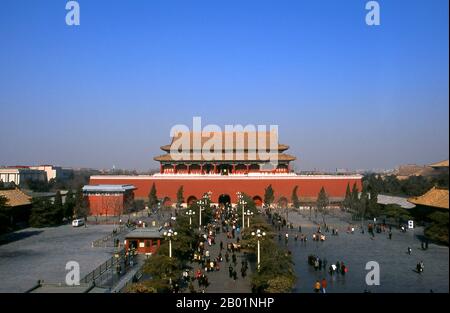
[{"x": 345, "y": 95}]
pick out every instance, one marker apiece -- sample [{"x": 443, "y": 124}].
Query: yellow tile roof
[
  {"x": 435, "y": 197},
  {"x": 440, "y": 164},
  {"x": 15, "y": 197}
]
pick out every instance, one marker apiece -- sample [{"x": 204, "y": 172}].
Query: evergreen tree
[
  {"x": 348, "y": 198},
  {"x": 269, "y": 196},
  {"x": 354, "y": 199},
  {"x": 180, "y": 197},
  {"x": 58, "y": 207},
  {"x": 152, "y": 197},
  {"x": 294, "y": 198},
  {"x": 81, "y": 208},
  {"x": 373, "y": 208},
  {"x": 322, "y": 203},
  {"x": 44, "y": 213},
  {"x": 69, "y": 205},
  {"x": 363, "y": 204}
]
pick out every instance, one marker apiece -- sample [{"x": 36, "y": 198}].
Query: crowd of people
[{"x": 210, "y": 252}]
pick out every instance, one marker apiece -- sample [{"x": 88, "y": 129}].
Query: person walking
[
  {"x": 316, "y": 264},
  {"x": 324, "y": 285},
  {"x": 317, "y": 287}
]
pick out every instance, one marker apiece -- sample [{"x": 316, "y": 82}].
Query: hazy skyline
[{"x": 107, "y": 92}]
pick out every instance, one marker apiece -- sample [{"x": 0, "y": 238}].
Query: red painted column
[
  {"x": 174, "y": 168},
  {"x": 188, "y": 167},
  {"x": 215, "y": 168},
  {"x": 160, "y": 168},
  {"x": 248, "y": 167},
  {"x": 234, "y": 168},
  {"x": 201, "y": 168}
]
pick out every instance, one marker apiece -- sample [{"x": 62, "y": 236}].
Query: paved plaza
[
  {"x": 31, "y": 254},
  {"x": 355, "y": 250}
]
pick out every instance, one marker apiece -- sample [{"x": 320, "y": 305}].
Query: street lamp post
[
  {"x": 249, "y": 214},
  {"x": 190, "y": 213},
  {"x": 242, "y": 203},
  {"x": 200, "y": 205},
  {"x": 168, "y": 235},
  {"x": 259, "y": 235}
]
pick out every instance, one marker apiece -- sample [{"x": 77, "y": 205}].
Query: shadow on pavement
[{"x": 11, "y": 237}]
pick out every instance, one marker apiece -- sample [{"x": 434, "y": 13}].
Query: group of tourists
[
  {"x": 420, "y": 267},
  {"x": 338, "y": 268},
  {"x": 321, "y": 264},
  {"x": 317, "y": 262},
  {"x": 320, "y": 286},
  {"x": 319, "y": 237}
]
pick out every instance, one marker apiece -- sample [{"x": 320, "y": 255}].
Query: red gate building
[{"x": 231, "y": 169}]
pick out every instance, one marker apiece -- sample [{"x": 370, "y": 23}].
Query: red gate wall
[{"x": 308, "y": 186}]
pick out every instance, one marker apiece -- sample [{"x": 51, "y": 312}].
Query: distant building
[
  {"x": 109, "y": 200},
  {"x": 431, "y": 170},
  {"x": 20, "y": 175}
]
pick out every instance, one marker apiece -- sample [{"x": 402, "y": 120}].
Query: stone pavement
[
  {"x": 32, "y": 254},
  {"x": 355, "y": 250}
]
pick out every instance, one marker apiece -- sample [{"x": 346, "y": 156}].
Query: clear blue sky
[{"x": 344, "y": 95}]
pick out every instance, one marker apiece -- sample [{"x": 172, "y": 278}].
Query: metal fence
[
  {"x": 97, "y": 274},
  {"x": 108, "y": 240},
  {"x": 135, "y": 278}
]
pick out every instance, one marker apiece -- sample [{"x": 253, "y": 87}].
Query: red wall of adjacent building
[
  {"x": 106, "y": 205},
  {"x": 111, "y": 205},
  {"x": 335, "y": 186},
  {"x": 150, "y": 245}
]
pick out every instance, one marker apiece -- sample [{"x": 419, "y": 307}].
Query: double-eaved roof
[{"x": 228, "y": 146}]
